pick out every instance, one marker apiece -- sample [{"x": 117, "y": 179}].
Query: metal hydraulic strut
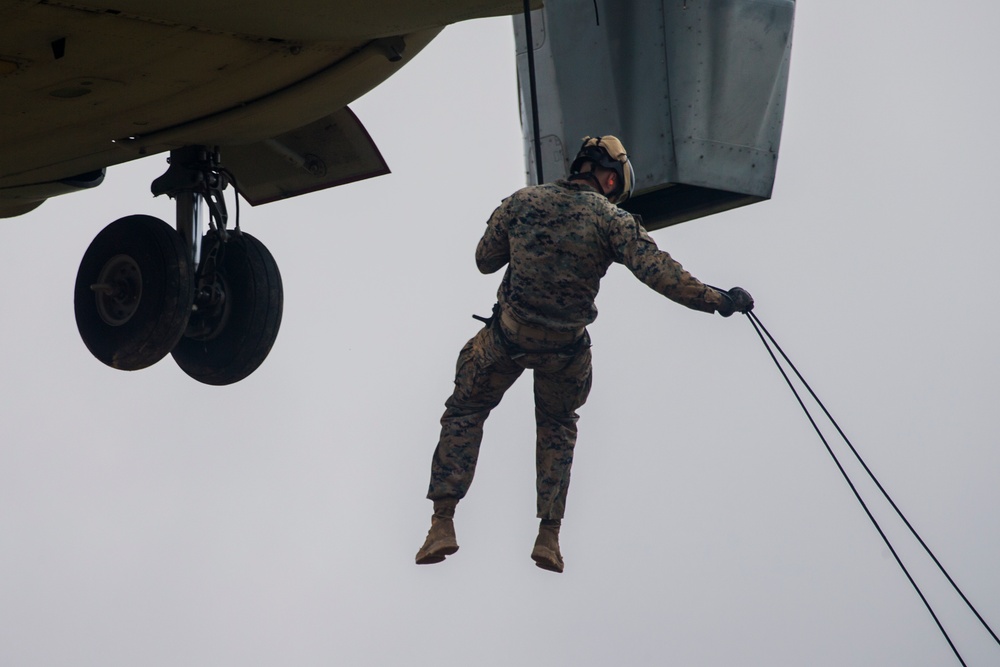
[{"x": 193, "y": 177}]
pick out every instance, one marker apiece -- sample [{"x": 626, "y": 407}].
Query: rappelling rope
[
  {"x": 530, "y": 42},
  {"x": 759, "y": 328}
]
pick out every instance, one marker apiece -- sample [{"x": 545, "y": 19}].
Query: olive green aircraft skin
[{"x": 86, "y": 84}]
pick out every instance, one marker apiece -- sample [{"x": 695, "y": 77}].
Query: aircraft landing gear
[
  {"x": 134, "y": 292},
  {"x": 238, "y": 311},
  {"x": 143, "y": 291}
]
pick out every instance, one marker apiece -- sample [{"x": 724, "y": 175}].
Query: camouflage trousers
[{"x": 487, "y": 366}]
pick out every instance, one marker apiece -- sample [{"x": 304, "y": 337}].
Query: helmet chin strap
[{"x": 588, "y": 176}]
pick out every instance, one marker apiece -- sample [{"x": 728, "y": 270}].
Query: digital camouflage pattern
[
  {"x": 486, "y": 369},
  {"x": 557, "y": 241}
]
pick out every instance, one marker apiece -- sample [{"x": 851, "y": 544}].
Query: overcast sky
[{"x": 146, "y": 519}]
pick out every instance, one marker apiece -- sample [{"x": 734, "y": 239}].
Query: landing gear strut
[{"x": 144, "y": 289}]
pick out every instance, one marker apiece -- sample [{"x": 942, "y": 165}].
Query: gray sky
[{"x": 149, "y": 520}]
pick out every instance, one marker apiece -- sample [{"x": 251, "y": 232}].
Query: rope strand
[
  {"x": 536, "y": 132},
  {"x": 754, "y": 321}
]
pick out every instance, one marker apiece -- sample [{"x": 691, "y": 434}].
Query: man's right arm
[{"x": 493, "y": 251}]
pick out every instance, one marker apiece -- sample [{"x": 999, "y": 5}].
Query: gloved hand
[{"x": 735, "y": 300}]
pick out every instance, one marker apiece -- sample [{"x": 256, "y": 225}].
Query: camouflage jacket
[{"x": 558, "y": 240}]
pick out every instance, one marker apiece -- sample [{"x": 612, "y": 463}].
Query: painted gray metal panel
[{"x": 694, "y": 88}]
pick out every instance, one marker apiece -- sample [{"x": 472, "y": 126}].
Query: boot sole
[
  {"x": 436, "y": 554},
  {"x": 546, "y": 560}
]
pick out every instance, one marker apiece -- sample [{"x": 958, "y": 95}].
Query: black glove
[{"x": 736, "y": 300}]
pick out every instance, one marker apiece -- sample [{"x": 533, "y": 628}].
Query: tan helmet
[{"x": 607, "y": 152}]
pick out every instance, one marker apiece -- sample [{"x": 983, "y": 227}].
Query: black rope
[
  {"x": 534, "y": 92},
  {"x": 755, "y": 321},
  {"x": 885, "y": 494}
]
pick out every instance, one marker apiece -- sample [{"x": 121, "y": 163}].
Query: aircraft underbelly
[
  {"x": 308, "y": 20},
  {"x": 116, "y": 79},
  {"x": 85, "y": 85}
]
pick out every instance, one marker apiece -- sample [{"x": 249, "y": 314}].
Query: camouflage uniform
[{"x": 557, "y": 240}]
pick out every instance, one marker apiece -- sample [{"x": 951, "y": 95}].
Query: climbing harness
[
  {"x": 762, "y": 331},
  {"x": 560, "y": 345},
  {"x": 488, "y": 321}
]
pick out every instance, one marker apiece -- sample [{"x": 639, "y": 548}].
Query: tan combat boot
[
  {"x": 440, "y": 540},
  {"x": 546, "y": 552}
]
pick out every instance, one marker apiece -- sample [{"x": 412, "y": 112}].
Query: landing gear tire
[
  {"x": 134, "y": 291},
  {"x": 238, "y": 312}
]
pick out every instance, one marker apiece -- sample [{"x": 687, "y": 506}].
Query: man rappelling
[{"x": 557, "y": 241}]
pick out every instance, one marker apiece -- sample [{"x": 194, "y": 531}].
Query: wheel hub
[
  {"x": 118, "y": 290},
  {"x": 211, "y": 309}
]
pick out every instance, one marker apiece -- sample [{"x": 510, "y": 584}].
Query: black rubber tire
[
  {"x": 254, "y": 299},
  {"x": 142, "y": 332}
]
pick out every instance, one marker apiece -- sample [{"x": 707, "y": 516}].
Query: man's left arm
[{"x": 662, "y": 272}]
